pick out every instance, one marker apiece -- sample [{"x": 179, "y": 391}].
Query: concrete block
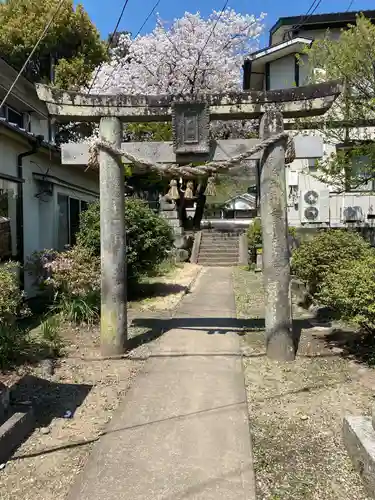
[
  {"x": 299, "y": 291},
  {"x": 243, "y": 254},
  {"x": 14, "y": 431},
  {"x": 178, "y": 230},
  {"x": 182, "y": 255},
  {"x": 359, "y": 440},
  {"x": 4, "y": 401},
  {"x": 196, "y": 247},
  {"x": 169, "y": 214}
]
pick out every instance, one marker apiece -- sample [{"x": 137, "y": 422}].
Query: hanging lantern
[
  {"x": 211, "y": 188},
  {"x": 173, "y": 193},
  {"x": 189, "y": 191}
]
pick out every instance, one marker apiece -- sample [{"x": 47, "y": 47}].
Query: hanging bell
[
  {"x": 189, "y": 191},
  {"x": 173, "y": 193},
  {"x": 211, "y": 188}
]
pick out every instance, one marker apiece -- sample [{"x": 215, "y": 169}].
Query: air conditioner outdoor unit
[
  {"x": 314, "y": 206},
  {"x": 357, "y": 207}
]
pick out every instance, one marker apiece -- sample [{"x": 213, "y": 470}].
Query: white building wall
[
  {"x": 38, "y": 126},
  {"x": 282, "y": 73},
  {"x": 40, "y": 214}
]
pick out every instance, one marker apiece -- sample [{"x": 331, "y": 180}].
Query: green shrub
[
  {"x": 11, "y": 296},
  {"x": 254, "y": 235},
  {"x": 350, "y": 290},
  {"x": 149, "y": 237},
  {"x": 75, "y": 278},
  {"x": 13, "y": 344},
  {"x": 325, "y": 252},
  {"x": 72, "y": 279}
]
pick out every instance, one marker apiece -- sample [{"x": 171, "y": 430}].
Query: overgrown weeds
[{"x": 50, "y": 335}]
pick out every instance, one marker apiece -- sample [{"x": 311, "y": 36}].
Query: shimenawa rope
[{"x": 189, "y": 171}]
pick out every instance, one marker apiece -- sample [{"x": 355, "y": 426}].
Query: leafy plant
[
  {"x": 72, "y": 41},
  {"x": 326, "y": 252},
  {"x": 73, "y": 280},
  {"x": 50, "y": 331},
  {"x": 254, "y": 235},
  {"x": 350, "y": 290},
  {"x": 78, "y": 309},
  {"x": 11, "y": 296},
  {"x": 13, "y": 344},
  {"x": 348, "y": 58},
  {"x": 149, "y": 237}
]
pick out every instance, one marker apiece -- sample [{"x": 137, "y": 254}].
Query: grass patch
[{"x": 296, "y": 411}]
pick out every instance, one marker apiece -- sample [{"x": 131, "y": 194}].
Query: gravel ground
[
  {"x": 90, "y": 388},
  {"x": 296, "y": 409}
]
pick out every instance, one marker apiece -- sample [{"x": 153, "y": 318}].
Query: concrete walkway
[{"x": 182, "y": 431}]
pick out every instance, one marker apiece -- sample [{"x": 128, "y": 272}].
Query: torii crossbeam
[{"x": 191, "y": 143}]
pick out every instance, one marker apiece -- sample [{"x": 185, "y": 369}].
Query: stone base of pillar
[{"x": 173, "y": 221}]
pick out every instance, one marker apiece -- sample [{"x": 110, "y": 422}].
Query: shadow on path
[{"x": 155, "y": 327}]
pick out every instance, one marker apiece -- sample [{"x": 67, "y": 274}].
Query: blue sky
[{"x": 105, "y": 13}]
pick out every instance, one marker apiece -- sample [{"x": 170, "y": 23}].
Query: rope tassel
[
  {"x": 189, "y": 191},
  {"x": 211, "y": 187},
  {"x": 173, "y": 193}
]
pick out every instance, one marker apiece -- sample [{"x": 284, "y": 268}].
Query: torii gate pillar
[
  {"x": 112, "y": 244},
  {"x": 276, "y": 266}
]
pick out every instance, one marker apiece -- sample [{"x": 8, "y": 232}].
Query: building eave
[
  {"x": 273, "y": 52},
  {"x": 28, "y": 136},
  {"x": 339, "y": 19}
]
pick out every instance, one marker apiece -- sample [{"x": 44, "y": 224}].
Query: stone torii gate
[{"x": 192, "y": 144}]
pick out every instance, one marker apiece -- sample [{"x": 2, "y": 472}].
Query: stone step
[
  {"x": 217, "y": 260},
  {"x": 218, "y": 264},
  {"x": 223, "y": 244},
  {"x": 220, "y": 238},
  {"x": 209, "y": 254},
  {"x": 219, "y": 247},
  {"x": 220, "y": 242}
]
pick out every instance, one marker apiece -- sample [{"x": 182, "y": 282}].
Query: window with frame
[
  {"x": 8, "y": 220},
  {"x": 362, "y": 168},
  {"x": 69, "y": 211},
  {"x": 13, "y": 116}
]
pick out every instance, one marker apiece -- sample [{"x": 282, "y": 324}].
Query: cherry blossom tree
[{"x": 185, "y": 57}]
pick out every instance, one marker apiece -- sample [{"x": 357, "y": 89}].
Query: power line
[
  {"x": 111, "y": 38},
  {"x": 147, "y": 18},
  {"x": 350, "y": 5},
  {"x": 138, "y": 32},
  {"x": 312, "y": 9},
  {"x": 195, "y": 68},
  {"x": 44, "y": 32}
]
